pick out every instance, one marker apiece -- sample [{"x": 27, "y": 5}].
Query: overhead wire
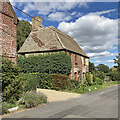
[{"x": 41, "y": 22}]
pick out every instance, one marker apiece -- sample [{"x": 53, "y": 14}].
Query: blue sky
[{"x": 94, "y": 25}]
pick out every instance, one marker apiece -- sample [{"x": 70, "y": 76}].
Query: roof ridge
[
  {"x": 59, "y": 31},
  {"x": 60, "y": 41}
]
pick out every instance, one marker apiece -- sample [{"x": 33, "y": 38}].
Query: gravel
[{"x": 54, "y": 96}]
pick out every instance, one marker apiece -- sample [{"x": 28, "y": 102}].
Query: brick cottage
[
  {"x": 8, "y": 27},
  {"x": 50, "y": 40}
]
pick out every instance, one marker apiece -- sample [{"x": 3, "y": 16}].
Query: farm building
[{"x": 43, "y": 40}]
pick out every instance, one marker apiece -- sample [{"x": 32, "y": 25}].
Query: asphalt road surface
[{"x": 98, "y": 104}]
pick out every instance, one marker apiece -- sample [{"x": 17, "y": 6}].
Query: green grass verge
[{"x": 93, "y": 87}]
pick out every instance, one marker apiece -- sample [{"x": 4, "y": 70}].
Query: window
[
  {"x": 79, "y": 76},
  {"x": 75, "y": 75}
]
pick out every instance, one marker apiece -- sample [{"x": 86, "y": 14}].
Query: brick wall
[
  {"x": 78, "y": 66},
  {"x": 8, "y": 29}
]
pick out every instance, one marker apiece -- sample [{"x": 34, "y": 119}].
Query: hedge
[
  {"x": 30, "y": 82},
  {"x": 60, "y": 81},
  {"x": 58, "y": 63},
  {"x": 52, "y": 81},
  {"x": 43, "y": 80}
]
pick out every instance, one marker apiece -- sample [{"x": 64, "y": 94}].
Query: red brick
[{"x": 8, "y": 26}]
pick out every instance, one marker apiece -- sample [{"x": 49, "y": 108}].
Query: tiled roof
[{"x": 50, "y": 38}]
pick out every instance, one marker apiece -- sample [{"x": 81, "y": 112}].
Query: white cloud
[
  {"x": 97, "y": 34},
  {"x": 98, "y": 61},
  {"x": 13, "y": 2},
  {"x": 110, "y": 61},
  {"x": 101, "y": 55},
  {"x": 59, "y": 16},
  {"x": 103, "y": 12},
  {"x": 73, "y": 13},
  {"x": 79, "y": 14},
  {"x": 83, "y": 2},
  {"x": 47, "y": 7}
]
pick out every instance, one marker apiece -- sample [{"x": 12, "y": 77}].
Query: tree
[
  {"x": 23, "y": 30},
  {"x": 91, "y": 67},
  {"x": 117, "y": 61},
  {"x": 11, "y": 81},
  {"x": 103, "y": 68}
]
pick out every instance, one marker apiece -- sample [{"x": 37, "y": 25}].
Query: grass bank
[{"x": 85, "y": 89}]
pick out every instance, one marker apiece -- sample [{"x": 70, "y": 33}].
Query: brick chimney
[{"x": 36, "y": 23}]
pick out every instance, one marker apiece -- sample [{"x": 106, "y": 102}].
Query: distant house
[
  {"x": 8, "y": 27},
  {"x": 49, "y": 40}
]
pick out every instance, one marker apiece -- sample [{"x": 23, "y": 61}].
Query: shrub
[
  {"x": 43, "y": 80},
  {"x": 98, "y": 81},
  {"x": 11, "y": 81},
  {"x": 89, "y": 78},
  {"x": 94, "y": 77},
  {"x": 75, "y": 84},
  {"x": 32, "y": 99},
  {"x": 59, "y": 63},
  {"x": 30, "y": 82},
  {"x": 114, "y": 76},
  {"x": 100, "y": 75},
  {"x": 59, "y": 81},
  {"x": 5, "y": 108}
]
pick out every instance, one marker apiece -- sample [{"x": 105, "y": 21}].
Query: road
[{"x": 98, "y": 104}]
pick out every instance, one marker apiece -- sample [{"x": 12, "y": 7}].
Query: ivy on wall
[{"x": 59, "y": 63}]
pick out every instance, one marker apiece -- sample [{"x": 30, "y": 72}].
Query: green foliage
[
  {"x": 59, "y": 63},
  {"x": 60, "y": 81},
  {"x": 103, "y": 68},
  {"x": 4, "y": 109},
  {"x": 75, "y": 84},
  {"x": 113, "y": 69},
  {"x": 91, "y": 67},
  {"x": 117, "y": 61},
  {"x": 89, "y": 78},
  {"x": 11, "y": 81},
  {"x": 30, "y": 82},
  {"x": 23, "y": 30},
  {"x": 99, "y": 81},
  {"x": 99, "y": 74},
  {"x": 43, "y": 80},
  {"x": 32, "y": 99},
  {"x": 114, "y": 75}
]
